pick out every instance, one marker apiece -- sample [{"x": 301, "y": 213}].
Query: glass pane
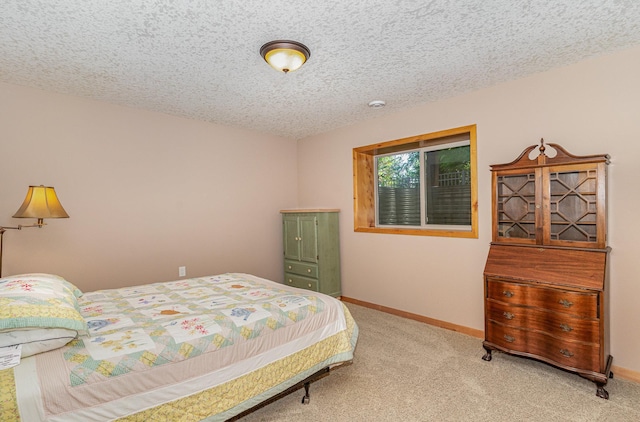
[
  {"x": 573, "y": 205},
  {"x": 515, "y": 204},
  {"x": 448, "y": 186},
  {"x": 399, "y": 189}
]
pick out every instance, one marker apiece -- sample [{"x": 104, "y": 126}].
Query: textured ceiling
[{"x": 200, "y": 59}]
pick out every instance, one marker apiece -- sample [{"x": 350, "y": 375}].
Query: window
[
  {"x": 445, "y": 199},
  {"x": 423, "y": 185}
]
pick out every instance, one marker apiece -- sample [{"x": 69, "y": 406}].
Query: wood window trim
[{"x": 364, "y": 201}]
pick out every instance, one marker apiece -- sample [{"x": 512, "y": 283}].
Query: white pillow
[
  {"x": 37, "y": 340},
  {"x": 39, "y": 311}
]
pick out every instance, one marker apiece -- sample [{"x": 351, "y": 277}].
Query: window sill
[{"x": 469, "y": 234}]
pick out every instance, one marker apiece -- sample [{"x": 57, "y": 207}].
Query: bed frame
[{"x": 306, "y": 383}]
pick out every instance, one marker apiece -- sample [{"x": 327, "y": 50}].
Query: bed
[{"x": 208, "y": 348}]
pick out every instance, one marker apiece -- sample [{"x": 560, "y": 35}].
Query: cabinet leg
[
  {"x": 601, "y": 392},
  {"x": 487, "y": 355}
]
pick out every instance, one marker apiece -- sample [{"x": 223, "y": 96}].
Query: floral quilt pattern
[{"x": 141, "y": 327}]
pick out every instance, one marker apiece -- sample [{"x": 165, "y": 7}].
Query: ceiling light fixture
[{"x": 285, "y": 56}]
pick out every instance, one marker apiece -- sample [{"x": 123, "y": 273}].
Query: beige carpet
[{"x": 409, "y": 371}]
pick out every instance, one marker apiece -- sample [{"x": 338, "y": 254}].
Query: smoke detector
[{"x": 377, "y": 104}]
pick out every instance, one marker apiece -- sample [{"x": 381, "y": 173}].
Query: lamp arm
[
  {"x": 39, "y": 224},
  {"x": 3, "y": 229}
]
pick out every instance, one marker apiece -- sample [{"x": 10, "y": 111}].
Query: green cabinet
[{"x": 312, "y": 250}]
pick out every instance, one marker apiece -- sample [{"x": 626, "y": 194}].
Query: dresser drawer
[
  {"x": 580, "y": 304},
  {"x": 585, "y": 356},
  {"x": 300, "y": 268},
  {"x": 300, "y": 282},
  {"x": 557, "y": 324}
]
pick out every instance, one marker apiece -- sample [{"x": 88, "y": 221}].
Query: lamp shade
[
  {"x": 285, "y": 56},
  {"x": 41, "y": 202}
]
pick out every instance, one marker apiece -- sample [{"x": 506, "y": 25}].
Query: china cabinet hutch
[{"x": 545, "y": 279}]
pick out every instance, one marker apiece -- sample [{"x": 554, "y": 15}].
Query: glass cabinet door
[
  {"x": 555, "y": 201},
  {"x": 515, "y": 207},
  {"x": 573, "y": 208}
]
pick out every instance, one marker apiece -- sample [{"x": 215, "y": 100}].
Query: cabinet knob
[
  {"x": 308, "y": 270},
  {"x": 508, "y": 293},
  {"x": 566, "y": 303},
  {"x": 566, "y": 353},
  {"x": 289, "y": 266},
  {"x": 309, "y": 284},
  {"x": 290, "y": 281}
]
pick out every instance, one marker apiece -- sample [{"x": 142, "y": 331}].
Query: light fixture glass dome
[{"x": 285, "y": 56}]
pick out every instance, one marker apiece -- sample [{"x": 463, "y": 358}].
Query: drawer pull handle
[
  {"x": 509, "y": 339},
  {"x": 507, "y": 293},
  {"x": 566, "y": 327},
  {"x": 566, "y": 353},
  {"x": 289, "y": 266},
  {"x": 308, "y": 270},
  {"x": 566, "y": 303},
  {"x": 309, "y": 285},
  {"x": 508, "y": 315},
  {"x": 290, "y": 281}
]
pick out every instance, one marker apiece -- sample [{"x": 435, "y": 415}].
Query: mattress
[{"x": 196, "y": 349}]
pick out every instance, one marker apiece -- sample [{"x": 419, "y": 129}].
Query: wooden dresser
[{"x": 546, "y": 275}]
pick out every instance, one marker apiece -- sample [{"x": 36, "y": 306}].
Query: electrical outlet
[{"x": 182, "y": 271}]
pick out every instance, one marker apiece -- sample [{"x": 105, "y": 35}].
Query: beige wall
[
  {"x": 146, "y": 192},
  {"x": 589, "y": 108}
]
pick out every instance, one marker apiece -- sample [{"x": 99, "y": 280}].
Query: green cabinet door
[
  {"x": 291, "y": 237},
  {"x": 308, "y": 238}
]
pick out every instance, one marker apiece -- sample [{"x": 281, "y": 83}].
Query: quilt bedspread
[
  {"x": 162, "y": 323},
  {"x": 203, "y": 334}
]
